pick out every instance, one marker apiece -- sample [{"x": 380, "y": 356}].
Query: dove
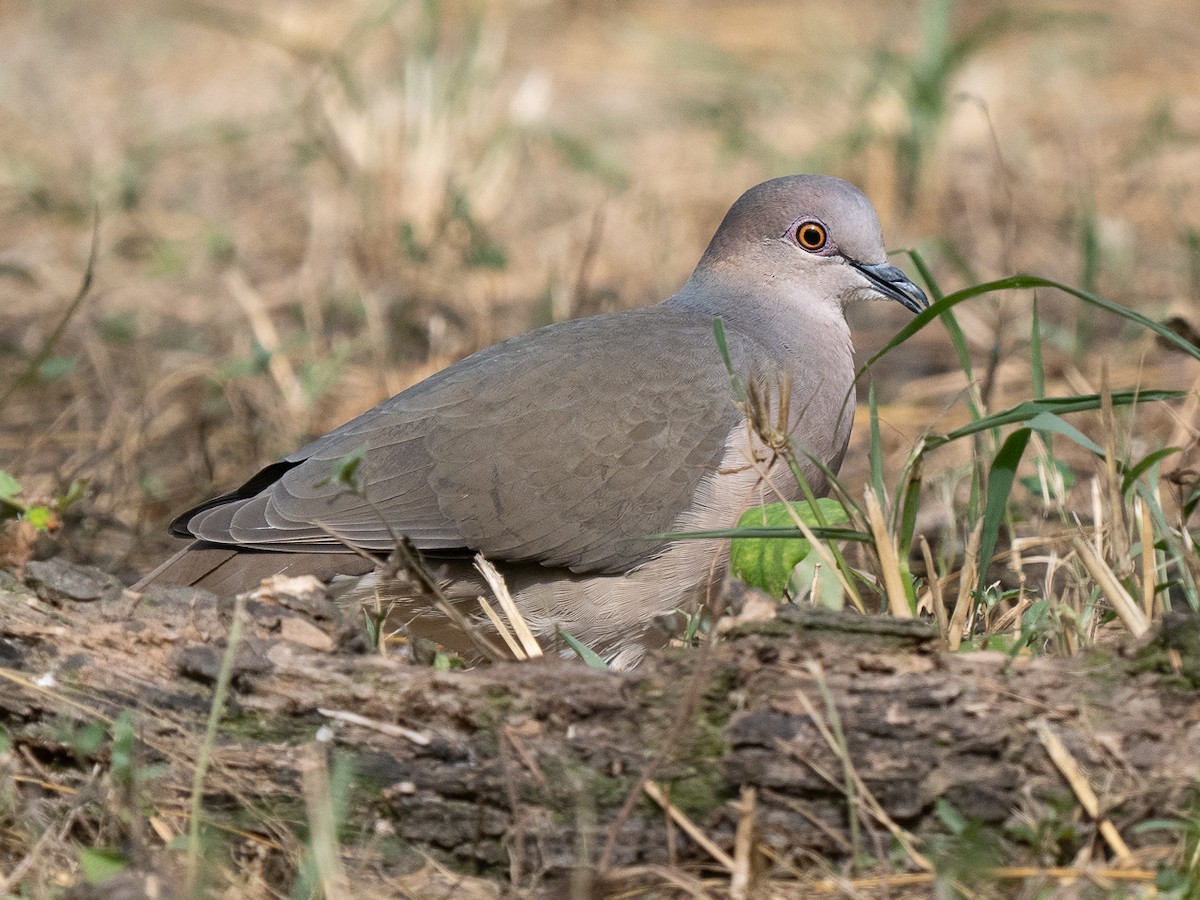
[{"x": 571, "y": 456}]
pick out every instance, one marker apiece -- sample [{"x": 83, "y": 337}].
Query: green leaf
[
  {"x": 53, "y": 368},
  {"x": 101, "y": 865},
  {"x": 10, "y": 488},
  {"x": 74, "y": 492},
  {"x": 999, "y": 486},
  {"x": 949, "y": 816},
  {"x": 1135, "y": 471},
  {"x": 345, "y": 469},
  {"x": 586, "y": 653},
  {"x": 40, "y": 517},
  {"x": 120, "y": 328},
  {"x": 1031, "y": 409},
  {"x": 767, "y": 563},
  {"x": 1017, "y": 282},
  {"x": 1049, "y": 422},
  {"x": 811, "y": 574}
]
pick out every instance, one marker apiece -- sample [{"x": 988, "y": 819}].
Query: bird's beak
[{"x": 892, "y": 282}]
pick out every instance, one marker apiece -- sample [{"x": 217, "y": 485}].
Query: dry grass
[{"x": 305, "y": 207}]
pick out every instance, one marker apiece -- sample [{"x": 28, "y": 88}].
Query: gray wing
[{"x": 566, "y": 446}]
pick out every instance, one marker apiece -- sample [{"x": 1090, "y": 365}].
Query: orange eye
[{"x": 811, "y": 235}]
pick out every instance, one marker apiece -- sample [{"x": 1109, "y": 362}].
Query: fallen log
[{"x": 814, "y": 736}]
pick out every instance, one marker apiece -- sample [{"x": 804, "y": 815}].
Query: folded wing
[{"x": 566, "y": 446}]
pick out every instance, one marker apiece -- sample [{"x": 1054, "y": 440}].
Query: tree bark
[{"x": 528, "y": 771}]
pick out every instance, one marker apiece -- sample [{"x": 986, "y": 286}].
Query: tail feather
[{"x": 230, "y": 570}]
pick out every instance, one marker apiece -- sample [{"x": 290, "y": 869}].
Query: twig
[
  {"x": 278, "y": 363},
  {"x": 741, "y": 882},
  {"x": 502, "y": 629},
  {"x": 9, "y": 883},
  {"x": 936, "y": 597},
  {"x": 1066, "y": 764},
  {"x": 85, "y": 286},
  {"x": 1123, "y": 604},
  {"x": 520, "y": 627},
  {"x": 407, "y": 557},
  {"x": 389, "y": 728},
  {"x": 889, "y": 562},
  {"x": 654, "y": 792},
  {"x": 967, "y": 577}
]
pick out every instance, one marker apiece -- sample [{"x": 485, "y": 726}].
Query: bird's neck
[
  {"x": 785, "y": 319},
  {"x": 804, "y": 339}
]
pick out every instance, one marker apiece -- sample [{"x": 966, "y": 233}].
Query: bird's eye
[{"x": 811, "y": 235}]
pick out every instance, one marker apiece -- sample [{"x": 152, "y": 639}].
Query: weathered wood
[{"x": 522, "y": 769}]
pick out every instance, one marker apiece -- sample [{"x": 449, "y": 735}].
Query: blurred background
[{"x": 306, "y": 206}]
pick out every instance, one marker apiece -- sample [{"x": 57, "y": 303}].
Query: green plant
[
  {"x": 195, "y": 843},
  {"x": 883, "y": 523},
  {"x": 43, "y": 514},
  {"x": 1180, "y": 881},
  {"x": 767, "y": 563}
]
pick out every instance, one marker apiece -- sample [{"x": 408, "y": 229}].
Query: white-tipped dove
[{"x": 555, "y": 454}]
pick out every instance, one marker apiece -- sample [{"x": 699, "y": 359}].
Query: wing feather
[{"x": 564, "y": 446}]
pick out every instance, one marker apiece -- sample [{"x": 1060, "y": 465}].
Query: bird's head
[{"x": 811, "y": 237}]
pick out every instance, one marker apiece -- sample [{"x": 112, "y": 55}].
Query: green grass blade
[
  {"x": 739, "y": 391},
  {"x": 907, "y": 507},
  {"x": 825, "y": 533},
  {"x": 999, "y": 486},
  {"x": 593, "y": 659},
  {"x": 1024, "y": 412},
  {"x": 1134, "y": 472},
  {"x": 1090, "y": 252},
  {"x": 1173, "y": 548},
  {"x": 1049, "y": 423},
  {"x": 875, "y": 455},
  {"x": 1036, "y": 368},
  {"x": 957, "y": 339},
  {"x": 922, "y": 267},
  {"x": 1019, "y": 282}
]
